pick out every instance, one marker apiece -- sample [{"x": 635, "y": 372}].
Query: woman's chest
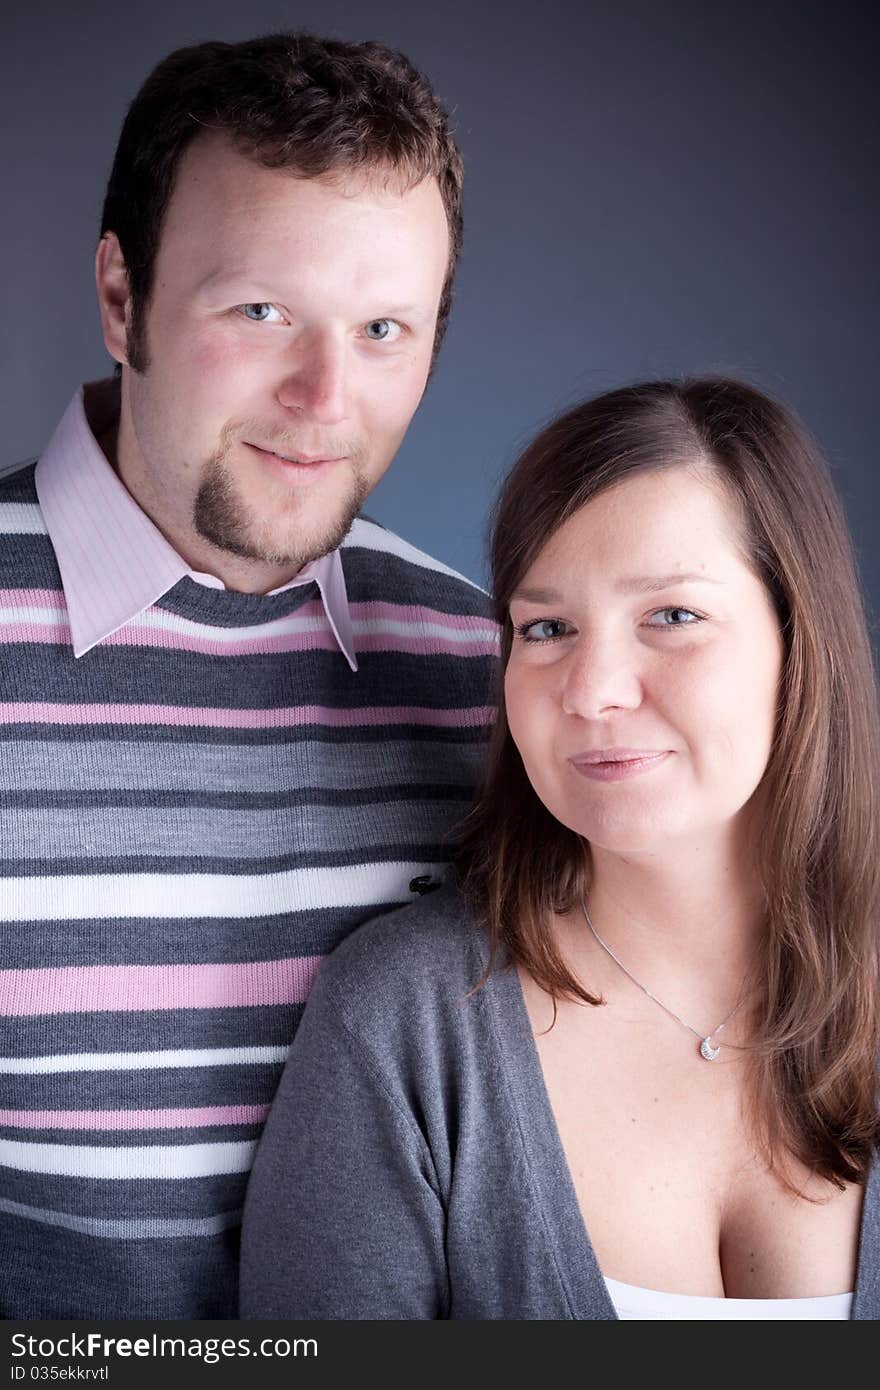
[{"x": 669, "y": 1176}]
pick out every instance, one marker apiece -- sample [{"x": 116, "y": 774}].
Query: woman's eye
[
  {"x": 542, "y": 630},
  {"x": 382, "y": 330},
  {"x": 674, "y": 617},
  {"x": 260, "y": 313}
]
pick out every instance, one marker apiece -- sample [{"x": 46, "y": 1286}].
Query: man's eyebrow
[
  {"x": 405, "y": 311},
  {"x": 216, "y": 279},
  {"x": 635, "y": 584}
]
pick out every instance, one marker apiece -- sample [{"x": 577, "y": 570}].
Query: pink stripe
[
  {"x": 99, "y": 988},
  {"x": 474, "y": 716},
  {"x": 182, "y": 641},
  {"x": 32, "y": 598},
  {"x": 194, "y": 1118},
  {"x": 36, "y": 632}
]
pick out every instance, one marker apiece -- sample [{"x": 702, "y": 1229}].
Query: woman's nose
[{"x": 601, "y": 676}]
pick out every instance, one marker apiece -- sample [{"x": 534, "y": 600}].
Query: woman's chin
[
  {"x": 625, "y": 820},
  {"x": 630, "y": 835}
]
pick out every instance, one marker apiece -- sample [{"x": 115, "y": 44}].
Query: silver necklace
[{"x": 707, "y": 1051}]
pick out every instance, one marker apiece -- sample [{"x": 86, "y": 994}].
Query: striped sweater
[{"x": 193, "y": 814}]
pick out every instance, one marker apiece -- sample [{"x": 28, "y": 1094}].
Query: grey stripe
[
  {"x": 57, "y": 799},
  {"x": 144, "y": 1200},
  {"x": 126, "y": 1090},
  {"x": 146, "y": 941},
  {"x": 170, "y": 1088},
  {"x": 104, "y": 764},
  {"x": 207, "y": 834},
  {"x": 156, "y": 1228},
  {"x": 162, "y": 676},
  {"x": 7, "y": 469}
]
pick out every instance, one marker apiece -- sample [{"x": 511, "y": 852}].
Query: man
[{"x": 237, "y": 718}]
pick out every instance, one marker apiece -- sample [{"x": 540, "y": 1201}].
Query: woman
[{"x": 627, "y": 1067}]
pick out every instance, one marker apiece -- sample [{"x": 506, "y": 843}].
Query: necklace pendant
[{"x": 707, "y": 1050}]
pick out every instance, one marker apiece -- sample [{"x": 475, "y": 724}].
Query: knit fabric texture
[{"x": 192, "y": 815}]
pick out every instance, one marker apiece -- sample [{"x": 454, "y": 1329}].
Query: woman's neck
[{"x": 687, "y": 923}]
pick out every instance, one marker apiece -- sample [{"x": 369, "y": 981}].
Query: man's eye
[
  {"x": 259, "y": 313},
  {"x": 542, "y": 630},
  {"x": 382, "y": 330}
]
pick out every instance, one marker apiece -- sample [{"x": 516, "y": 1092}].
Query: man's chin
[
  {"x": 291, "y": 549},
  {"x": 289, "y": 533}
]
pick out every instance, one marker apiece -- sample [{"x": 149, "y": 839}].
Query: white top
[{"x": 631, "y": 1302}]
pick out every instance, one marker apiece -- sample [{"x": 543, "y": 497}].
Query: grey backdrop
[{"x": 652, "y": 188}]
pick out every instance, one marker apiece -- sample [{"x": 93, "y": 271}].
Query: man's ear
[{"x": 111, "y": 279}]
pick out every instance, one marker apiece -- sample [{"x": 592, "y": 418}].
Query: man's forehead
[
  {"x": 233, "y": 223},
  {"x": 212, "y": 161}
]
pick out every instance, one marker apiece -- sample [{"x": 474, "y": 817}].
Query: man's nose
[
  {"x": 602, "y": 675},
  {"x": 315, "y": 382}
]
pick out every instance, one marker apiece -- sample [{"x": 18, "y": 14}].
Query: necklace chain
[{"x": 707, "y": 1051}]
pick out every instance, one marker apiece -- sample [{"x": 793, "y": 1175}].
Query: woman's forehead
[{"x": 651, "y": 524}]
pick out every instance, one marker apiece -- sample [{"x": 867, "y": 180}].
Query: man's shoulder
[
  {"x": 20, "y": 513},
  {"x": 381, "y": 566},
  {"x": 17, "y": 481}
]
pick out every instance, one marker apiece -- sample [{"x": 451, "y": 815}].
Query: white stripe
[
  {"x": 142, "y": 1061},
  {"x": 366, "y": 535},
  {"x": 159, "y": 621},
  {"x": 71, "y": 897},
  {"x": 163, "y": 621},
  {"x": 34, "y": 615},
  {"x": 22, "y": 519},
  {"x": 175, "y": 1161},
  {"x": 486, "y": 632}
]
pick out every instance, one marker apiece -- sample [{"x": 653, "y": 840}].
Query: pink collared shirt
[{"x": 114, "y": 561}]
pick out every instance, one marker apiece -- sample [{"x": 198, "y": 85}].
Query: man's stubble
[{"x": 221, "y": 516}]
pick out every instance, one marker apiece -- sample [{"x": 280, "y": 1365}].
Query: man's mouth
[{"x": 296, "y": 458}]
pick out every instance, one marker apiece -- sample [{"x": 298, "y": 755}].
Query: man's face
[{"x": 288, "y": 341}]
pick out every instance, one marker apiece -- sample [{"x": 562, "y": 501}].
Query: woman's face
[{"x": 642, "y": 684}]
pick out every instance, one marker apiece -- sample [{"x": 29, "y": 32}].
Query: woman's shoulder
[
  {"x": 437, "y": 933},
  {"x": 416, "y": 960}
]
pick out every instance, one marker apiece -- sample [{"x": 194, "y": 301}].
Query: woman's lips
[{"x": 614, "y": 765}]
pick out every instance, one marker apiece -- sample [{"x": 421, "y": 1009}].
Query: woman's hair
[
  {"x": 818, "y": 1022},
  {"x": 288, "y": 101}
]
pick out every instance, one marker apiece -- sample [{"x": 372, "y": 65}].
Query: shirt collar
[{"x": 114, "y": 561}]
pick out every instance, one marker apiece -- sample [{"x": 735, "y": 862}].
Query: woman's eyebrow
[
  {"x": 536, "y": 595},
  {"x": 635, "y": 584},
  {"x": 648, "y": 583}
]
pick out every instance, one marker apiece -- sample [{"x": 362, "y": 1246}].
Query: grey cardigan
[{"x": 411, "y": 1166}]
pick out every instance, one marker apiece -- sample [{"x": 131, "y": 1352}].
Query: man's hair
[
  {"x": 819, "y": 850},
  {"x": 288, "y": 101}
]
